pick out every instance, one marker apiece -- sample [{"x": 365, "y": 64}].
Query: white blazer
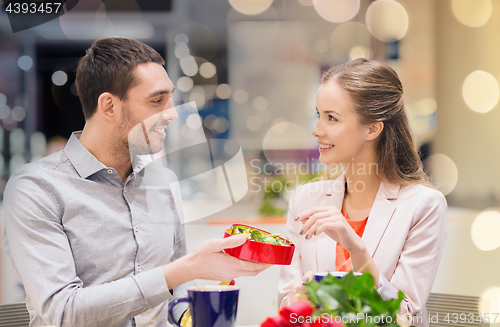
[{"x": 404, "y": 234}]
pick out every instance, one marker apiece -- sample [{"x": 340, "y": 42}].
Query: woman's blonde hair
[{"x": 377, "y": 96}]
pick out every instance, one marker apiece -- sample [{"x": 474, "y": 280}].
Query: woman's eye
[{"x": 331, "y": 118}]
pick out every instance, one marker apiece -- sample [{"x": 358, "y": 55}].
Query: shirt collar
[{"x": 84, "y": 162}]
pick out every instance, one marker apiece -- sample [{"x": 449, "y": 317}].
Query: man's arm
[{"x": 38, "y": 246}]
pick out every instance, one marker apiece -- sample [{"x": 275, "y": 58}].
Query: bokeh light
[
  {"x": 3, "y": 99},
  {"x": 193, "y": 121},
  {"x": 38, "y": 143},
  {"x": 260, "y": 103},
  {"x": 251, "y": 7},
  {"x": 360, "y": 51},
  {"x": 207, "y": 70},
  {"x": 337, "y": 11},
  {"x": 321, "y": 45},
  {"x": 472, "y": 13},
  {"x": 198, "y": 96},
  {"x": 17, "y": 140},
  {"x": 181, "y": 38},
  {"x": 345, "y": 36},
  {"x": 18, "y": 113},
  {"x": 202, "y": 39},
  {"x": 286, "y": 143},
  {"x": 253, "y": 123},
  {"x": 59, "y": 78},
  {"x": 231, "y": 146},
  {"x": 185, "y": 84},
  {"x": 264, "y": 116},
  {"x": 209, "y": 120},
  {"x": 181, "y": 50},
  {"x": 221, "y": 125},
  {"x": 240, "y": 96},
  {"x": 480, "y": 91},
  {"x": 443, "y": 171},
  {"x": 485, "y": 230},
  {"x": 189, "y": 66},
  {"x": 16, "y": 161},
  {"x": 387, "y": 20},
  {"x": 25, "y": 62},
  {"x": 4, "y": 112},
  {"x": 490, "y": 302},
  {"x": 223, "y": 91}
]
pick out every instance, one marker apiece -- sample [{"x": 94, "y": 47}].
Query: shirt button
[
  {"x": 138, "y": 268},
  {"x": 136, "y": 228},
  {"x": 110, "y": 171},
  {"x": 124, "y": 190}
]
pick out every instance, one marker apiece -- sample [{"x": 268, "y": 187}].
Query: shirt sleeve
[
  {"x": 419, "y": 260},
  {"x": 36, "y": 242},
  {"x": 181, "y": 290}
]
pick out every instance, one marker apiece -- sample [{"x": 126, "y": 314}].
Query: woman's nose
[{"x": 316, "y": 132}]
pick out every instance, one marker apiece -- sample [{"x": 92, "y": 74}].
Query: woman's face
[{"x": 341, "y": 136}]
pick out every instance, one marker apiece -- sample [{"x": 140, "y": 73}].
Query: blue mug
[
  {"x": 339, "y": 274},
  {"x": 210, "y": 305}
]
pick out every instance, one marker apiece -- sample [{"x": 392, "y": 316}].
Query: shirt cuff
[
  {"x": 385, "y": 288},
  {"x": 153, "y": 286}
]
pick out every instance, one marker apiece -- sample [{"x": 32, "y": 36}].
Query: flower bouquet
[{"x": 350, "y": 301}]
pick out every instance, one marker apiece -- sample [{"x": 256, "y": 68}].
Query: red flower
[
  {"x": 275, "y": 322},
  {"x": 330, "y": 322},
  {"x": 298, "y": 309}
]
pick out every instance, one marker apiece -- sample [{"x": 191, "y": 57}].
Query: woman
[{"x": 379, "y": 215}]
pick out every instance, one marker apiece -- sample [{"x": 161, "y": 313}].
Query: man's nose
[{"x": 169, "y": 114}]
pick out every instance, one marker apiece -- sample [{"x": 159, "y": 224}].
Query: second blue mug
[{"x": 210, "y": 305}]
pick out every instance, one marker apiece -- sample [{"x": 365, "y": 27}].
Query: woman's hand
[
  {"x": 329, "y": 220},
  {"x": 297, "y": 288}
]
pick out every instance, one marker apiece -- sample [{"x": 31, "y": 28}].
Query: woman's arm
[{"x": 293, "y": 272}]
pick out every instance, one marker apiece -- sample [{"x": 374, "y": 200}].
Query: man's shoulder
[{"x": 49, "y": 163}]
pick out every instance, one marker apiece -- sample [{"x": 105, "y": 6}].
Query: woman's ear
[
  {"x": 106, "y": 105},
  {"x": 374, "y": 130}
]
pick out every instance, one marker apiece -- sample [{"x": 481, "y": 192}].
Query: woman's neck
[{"x": 362, "y": 184}]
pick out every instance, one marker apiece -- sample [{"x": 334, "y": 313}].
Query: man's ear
[
  {"x": 107, "y": 105},
  {"x": 374, "y": 130}
]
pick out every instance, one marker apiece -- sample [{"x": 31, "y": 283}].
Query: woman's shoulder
[{"x": 422, "y": 194}]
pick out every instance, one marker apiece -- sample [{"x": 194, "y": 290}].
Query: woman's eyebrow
[{"x": 329, "y": 112}]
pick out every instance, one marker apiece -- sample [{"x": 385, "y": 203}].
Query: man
[{"x": 93, "y": 241}]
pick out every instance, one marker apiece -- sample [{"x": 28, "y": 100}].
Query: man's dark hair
[{"x": 108, "y": 66}]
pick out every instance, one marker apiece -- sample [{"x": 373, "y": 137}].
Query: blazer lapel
[
  {"x": 333, "y": 196},
  {"x": 380, "y": 216}
]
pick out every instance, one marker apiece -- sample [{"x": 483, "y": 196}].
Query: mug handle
[{"x": 171, "y": 308}]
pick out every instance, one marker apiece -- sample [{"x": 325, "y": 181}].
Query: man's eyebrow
[
  {"x": 329, "y": 112},
  {"x": 160, "y": 92}
]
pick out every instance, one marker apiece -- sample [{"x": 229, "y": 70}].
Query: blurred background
[{"x": 252, "y": 68}]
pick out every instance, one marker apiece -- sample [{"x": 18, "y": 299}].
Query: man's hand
[{"x": 207, "y": 261}]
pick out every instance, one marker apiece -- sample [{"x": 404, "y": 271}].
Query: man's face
[{"x": 146, "y": 111}]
